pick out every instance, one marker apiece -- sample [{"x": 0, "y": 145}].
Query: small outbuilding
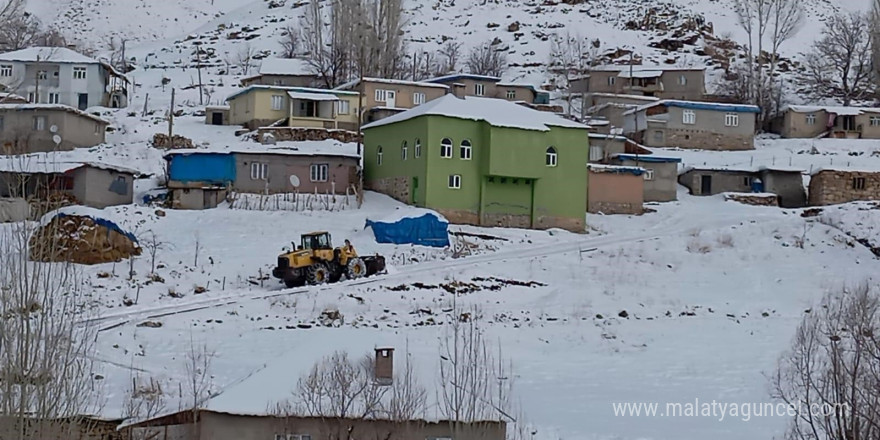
[
  {"x": 419, "y": 226},
  {"x": 829, "y": 186},
  {"x": 785, "y": 183},
  {"x": 661, "y": 174},
  {"x": 615, "y": 189}
]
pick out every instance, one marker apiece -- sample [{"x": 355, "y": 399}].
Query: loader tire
[
  {"x": 318, "y": 274},
  {"x": 355, "y": 269}
]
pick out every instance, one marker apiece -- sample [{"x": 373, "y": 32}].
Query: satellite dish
[
  {"x": 56, "y": 139},
  {"x": 53, "y": 129},
  {"x": 294, "y": 181}
]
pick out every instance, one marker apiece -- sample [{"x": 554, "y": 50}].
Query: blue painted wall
[{"x": 214, "y": 168}]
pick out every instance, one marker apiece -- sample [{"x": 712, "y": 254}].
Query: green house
[{"x": 482, "y": 161}]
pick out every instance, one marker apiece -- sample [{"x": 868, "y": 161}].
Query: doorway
[
  {"x": 415, "y": 190},
  {"x": 217, "y": 118},
  {"x": 83, "y": 101},
  {"x": 706, "y": 185},
  {"x": 391, "y": 98}
]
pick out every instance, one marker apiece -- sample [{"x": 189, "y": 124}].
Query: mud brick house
[
  {"x": 804, "y": 121},
  {"x": 829, "y": 186},
  {"x": 660, "y": 178},
  {"x": 466, "y": 84},
  {"x": 35, "y": 128},
  {"x": 482, "y": 161},
  {"x": 386, "y": 97},
  {"x": 615, "y": 189},
  {"x": 291, "y": 72},
  {"x": 259, "y": 106},
  {"x": 786, "y": 183},
  {"x": 693, "y": 125},
  {"x": 201, "y": 179},
  {"x": 665, "y": 82}
]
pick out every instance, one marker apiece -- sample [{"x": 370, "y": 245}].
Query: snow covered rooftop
[
  {"x": 284, "y": 66},
  {"x": 53, "y": 107},
  {"x": 650, "y": 158},
  {"x": 629, "y": 97},
  {"x": 286, "y": 89},
  {"x": 695, "y": 105},
  {"x": 42, "y": 163},
  {"x": 641, "y": 74},
  {"x": 496, "y": 112},
  {"x": 459, "y": 76},
  {"x": 843, "y": 111},
  {"x": 351, "y": 84},
  {"x": 635, "y": 68},
  {"x": 327, "y": 147},
  {"x": 48, "y": 54},
  {"x": 615, "y": 169},
  {"x": 845, "y": 169},
  {"x": 744, "y": 169}
]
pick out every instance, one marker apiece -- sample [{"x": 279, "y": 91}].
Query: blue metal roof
[
  {"x": 739, "y": 108},
  {"x": 648, "y": 159},
  {"x": 458, "y": 76}
]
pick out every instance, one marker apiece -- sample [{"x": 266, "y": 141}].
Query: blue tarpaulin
[
  {"x": 427, "y": 230},
  {"x": 102, "y": 222}
]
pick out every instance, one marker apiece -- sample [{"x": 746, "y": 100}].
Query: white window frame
[
  {"x": 649, "y": 174},
  {"x": 688, "y": 117},
  {"x": 6, "y": 70},
  {"x": 79, "y": 72},
  {"x": 42, "y": 75},
  {"x": 446, "y": 148},
  {"x": 551, "y": 158},
  {"x": 418, "y": 98},
  {"x": 418, "y": 148},
  {"x": 32, "y": 97},
  {"x": 612, "y": 80},
  {"x": 511, "y": 94},
  {"x": 299, "y": 437},
  {"x": 404, "y": 150},
  {"x": 731, "y": 119},
  {"x": 465, "y": 152},
  {"x": 54, "y": 98},
  {"x": 319, "y": 172},
  {"x": 479, "y": 89},
  {"x": 259, "y": 171},
  {"x": 343, "y": 107},
  {"x": 874, "y": 121},
  {"x": 277, "y": 102},
  {"x": 596, "y": 153},
  {"x": 381, "y": 95},
  {"x": 454, "y": 181},
  {"x": 810, "y": 119},
  {"x": 379, "y": 155},
  {"x": 682, "y": 80},
  {"x": 39, "y": 123}
]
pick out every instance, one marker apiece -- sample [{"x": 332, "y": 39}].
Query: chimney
[{"x": 384, "y": 368}]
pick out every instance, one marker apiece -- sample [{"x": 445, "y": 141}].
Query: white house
[{"x": 58, "y": 75}]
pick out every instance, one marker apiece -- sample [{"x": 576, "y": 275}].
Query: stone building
[
  {"x": 692, "y": 125},
  {"x": 833, "y": 186}
]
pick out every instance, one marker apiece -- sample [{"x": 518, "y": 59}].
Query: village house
[
  {"x": 660, "y": 178},
  {"x": 58, "y": 75},
  {"x": 260, "y": 106},
  {"x": 290, "y": 72},
  {"x": 664, "y": 82},
  {"x": 482, "y": 161},
  {"x": 94, "y": 184},
  {"x": 33, "y": 128},
  {"x": 804, "y": 121},
  {"x": 615, "y": 189},
  {"x": 202, "y": 179},
  {"x": 831, "y": 186},
  {"x": 604, "y": 146},
  {"x": 466, "y": 84},
  {"x": 386, "y": 97},
  {"x": 693, "y": 125},
  {"x": 786, "y": 183}
]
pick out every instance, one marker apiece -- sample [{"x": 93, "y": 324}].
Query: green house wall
[{"x": 505, "y": 183}]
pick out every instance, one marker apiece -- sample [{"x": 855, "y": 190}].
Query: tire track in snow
[{"x": 115, "y": 320}]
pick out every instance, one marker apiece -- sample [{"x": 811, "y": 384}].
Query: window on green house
[
  {"x": 465, "y": 152},
  {"x": 455, "y": 181},
  {"x": 446, "y": 148},
  {"x": 404, "y": 150},
  {"x": 418, "y": 148},
  {"x": 552, "y": 157},
  {"x": 379, "y": 155}
]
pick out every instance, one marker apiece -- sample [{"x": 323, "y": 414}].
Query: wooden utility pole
[
  {"x": 171, "y": 121},
  {"x": 360, "y": 113},
  {"x": 199, "y": 68}
]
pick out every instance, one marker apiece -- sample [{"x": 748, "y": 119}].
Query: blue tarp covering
[
  {"x": 207, "y": 167},
  {"x": 102, "y": 222},
  {"x": 427, "y": 230}
]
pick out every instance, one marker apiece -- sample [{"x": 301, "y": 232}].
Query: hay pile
[{"x": 82, "y": 240}]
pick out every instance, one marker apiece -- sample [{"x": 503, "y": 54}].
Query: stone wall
[
  {"x": 567, "y": 223},
  {"x": 705, "y": 140},
  {"x": 161, "y": 140},
  {"x": 614, "y": 208},
  {"x": 753, "y": 199},
  {"x": 306, "y": 134},
  {"x": 507, "y": 221},
  {"x": 830, "y": 187},
  {"x": 461, "y": 217},
  {"x": 397, "y": 188}
]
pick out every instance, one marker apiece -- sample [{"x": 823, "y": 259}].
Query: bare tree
[
  {"x": 839, "y": 64},
  {"x": 408, "y": 397},
  {"x": 46, "y": 373},
  {"x": 831, "y": 373},
  {"x": 290, "y": 42},
  {"x": 451, "y": 53},
  {"x": 144, "y": 400},
  {"x": 198, "y": 380},
  {"x": 153, "y": 245},
  {"x": 486, "y": 59},
  {"x": 243, "y": 58},
  {"x": 18, "y": 32},
  {"x": 571, "y": 57},
  {"x": 339, "y": 387}
]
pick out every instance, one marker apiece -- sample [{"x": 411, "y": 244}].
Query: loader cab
[{"x": 316, "y": 241}]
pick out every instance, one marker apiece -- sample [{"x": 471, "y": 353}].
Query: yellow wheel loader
[{"x": 315, "y": 261}]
